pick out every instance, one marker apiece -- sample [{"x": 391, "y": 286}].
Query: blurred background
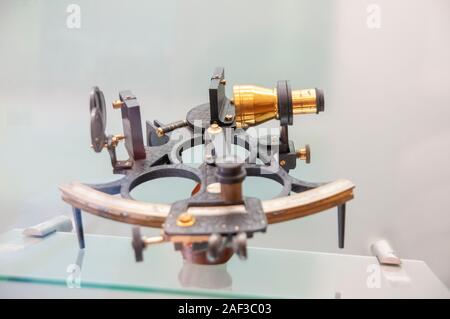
[{"x": 383, "y": 65}]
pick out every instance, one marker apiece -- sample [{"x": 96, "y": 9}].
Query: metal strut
[
  {"x": 341, "y": 225},
  {"x": 79, "y": 226}
]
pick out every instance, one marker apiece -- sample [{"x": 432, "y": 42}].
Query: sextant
[{"x": 216, "y": 221}]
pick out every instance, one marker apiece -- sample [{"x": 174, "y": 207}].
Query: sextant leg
[
  {"x": 341, "y": 225},
  {"x": 78, "y": 226}
]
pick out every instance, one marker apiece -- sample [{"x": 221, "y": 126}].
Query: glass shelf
[{"x": 108, "y": 263}]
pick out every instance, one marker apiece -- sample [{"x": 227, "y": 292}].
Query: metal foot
[
  {"x": 79, "y": 226},
  {"x": 341, "y": 225}
]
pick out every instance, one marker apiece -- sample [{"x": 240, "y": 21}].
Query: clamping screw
[{"x": 304, "y": 154}]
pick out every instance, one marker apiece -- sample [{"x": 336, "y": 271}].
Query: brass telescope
[{"x": 255, "y": 105}]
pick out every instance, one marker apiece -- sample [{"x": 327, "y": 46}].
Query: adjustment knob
[{"x": 304, "y": 154}]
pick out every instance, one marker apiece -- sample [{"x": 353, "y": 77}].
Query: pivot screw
[{"x": 185, "y": 220}]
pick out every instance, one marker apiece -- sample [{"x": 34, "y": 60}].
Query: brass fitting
[
  {"x": 255, "y": 105},
  {"x": 114, "y": 141},
  {"x": 160, "y": 132},
  {"x": 185, "y": 220},
  {"x": 117, "y": 104},
  {"x": 304, "y": 154}
]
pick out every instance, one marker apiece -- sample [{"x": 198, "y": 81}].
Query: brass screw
[
  {"x": 160, "y": 132},
  {"x": 116, "y": 139},
  {"x": 117, "y": 104},
  {"x": 304, "y": 154},
  {"x": 185, "y": 220},
  {"x": 228, "y": 117},
  {"x": 282, "y": 162},
  {"x": 163, "y": 130}
]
